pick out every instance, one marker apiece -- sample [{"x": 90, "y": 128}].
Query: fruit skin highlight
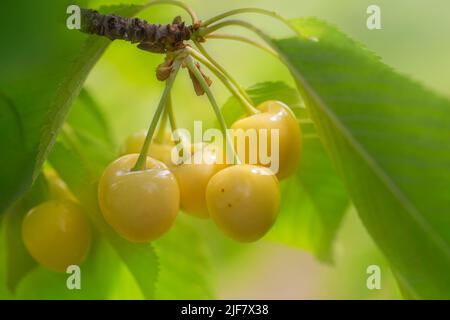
[
  {"x": 139, "y": 205},
  {"x": 57, "y": 234},
  {"x": 275, "y": 115},
  {"x": 243, "y": 200}
]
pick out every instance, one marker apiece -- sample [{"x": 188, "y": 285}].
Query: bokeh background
[{"x": 413, "y": 40}]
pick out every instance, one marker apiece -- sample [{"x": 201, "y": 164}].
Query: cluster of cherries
[{"x": 141, "y": 205}]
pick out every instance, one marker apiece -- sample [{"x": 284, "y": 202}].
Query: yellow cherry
[
  {"x": 274, "y": 115},
  {"x": 139, "y": 205},
  {"x": 57, "y": 234},
  {"x": 159, "y": 150},
  {"x": 193, "y": 176},
  {"x": 243, "y": 200}
]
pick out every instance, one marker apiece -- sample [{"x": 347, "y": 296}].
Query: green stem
[
  {"x": 227, "y": 23},
  {"x": 203, "y": 51},
  {"x": 265, "y": 12},
  {"x": 264, "y": 36},
  {"x": 212, "y": 100},
  {"x": 173, "y": 124},
  {"x": 180, "y": 4},
  {"x": 249, "y": 108},
  {"x": 242, "y": 39},
  {"x": 140, "y": 163}
]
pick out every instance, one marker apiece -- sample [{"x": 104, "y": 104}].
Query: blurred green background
[{"x": 413, "y": 40}]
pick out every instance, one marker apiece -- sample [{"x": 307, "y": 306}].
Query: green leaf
[
  {"x": 314, "y": 200},
  {"x": 18, "y": 260},
  {"x": 88, "y": 120},
  {"x": 15, "y": 168},
  {"x": 97, "y": 278},
  {"x": 313, "y": 204},
  {"x": 140, "y": 259},
  {"x": 41, "y": 83},
  {"x": 90, "y": 128},
  {"x": 390, "y": 139},
  {"x": 184, "y": 263}
]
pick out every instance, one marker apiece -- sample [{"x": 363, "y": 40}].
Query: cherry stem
[
  {"x": 180, "y": 4},
  {"x": 264, "y": 36},
  {"x": 141, "y": 161},
  {"x": 249, "y": 108},
  {"x": 159, "y": 137},
  {"x": 203, "y": 51},
  {"x": 173, "y": 124},
  {"x": 227, "y": 23},
  {"x": 265, "y": 12},
  {"x": 215, "y": 106},
  {"x": 242, "y": 39}
]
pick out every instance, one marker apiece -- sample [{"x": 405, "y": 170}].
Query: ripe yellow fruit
[
  {"x": 243, "y": 200},
  {"x": 134, "y": 142},
  {"x": 193, "y": 178},
  {"x": 140, "y": 205},
  {"x": 158, "y": 150},
  {"x": 275, "y": 115},
  {"x": 57, "y": 234}
]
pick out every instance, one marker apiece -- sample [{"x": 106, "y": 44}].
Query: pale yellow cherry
[
  {"x": 139, "y": 205},
  {"x": 57, "y": 234},
  {"x": 274, "y": 115},
  {"x": 134, "y": 142},
  {"x": 243, "y": 201},
  {"x": 159, "y": 150},
  {"x": 193, "y": 176}
]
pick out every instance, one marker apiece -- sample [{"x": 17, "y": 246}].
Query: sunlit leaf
[
  {"x": 313, "y": 204},
  {"x": 88, "y": 119},
  {"x": 184, "y": 267},
  {"x": 390, "y": 139}
]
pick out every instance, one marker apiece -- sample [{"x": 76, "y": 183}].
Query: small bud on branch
[{"x": 197, "y": 86}]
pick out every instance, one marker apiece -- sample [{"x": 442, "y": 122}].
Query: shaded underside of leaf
[
  {"x": 18, "y": 260},
  {"x": 41, "y": 83},
  {"x": 15, "y": 165}
]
